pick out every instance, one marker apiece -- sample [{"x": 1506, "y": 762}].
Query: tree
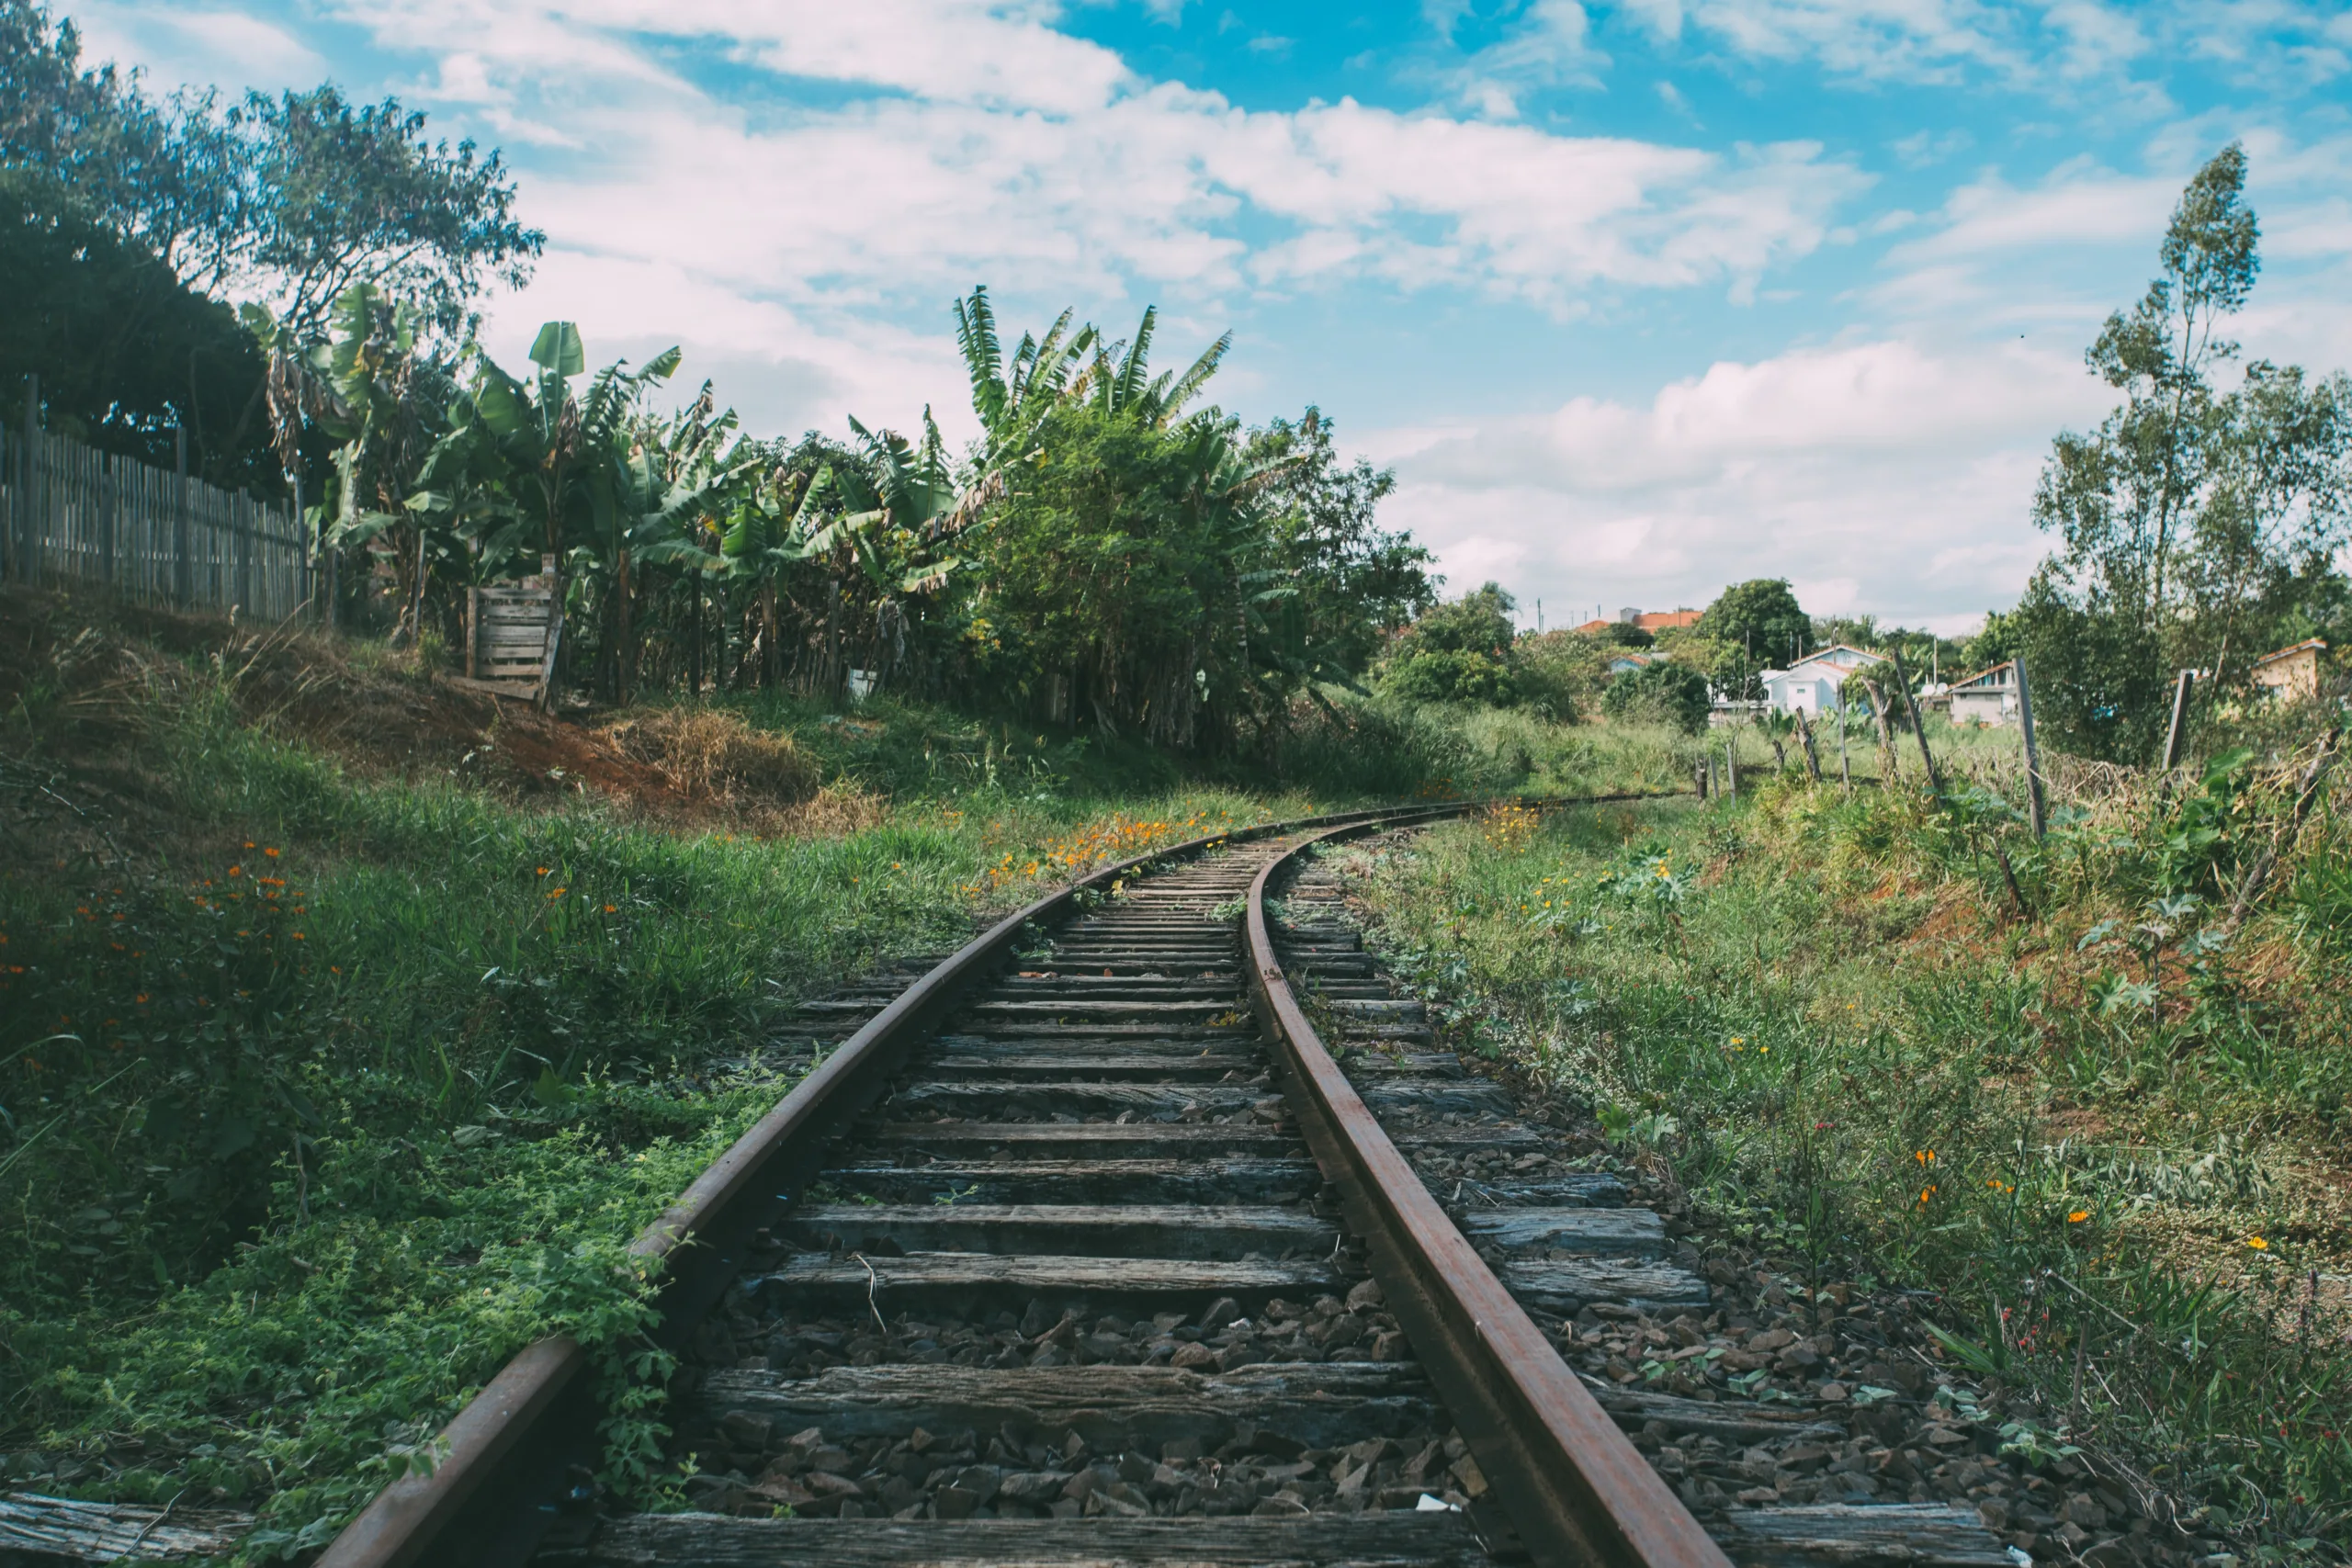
[
  {"x": 125, "y": 352},
  {"x": 1760, "y": 618},
  {"x": 332, "y": 194},
  {"x": 1662, "y": 691},
  {"x": 2194, "y": 519},
  {"x": 1461, "y": 651}
]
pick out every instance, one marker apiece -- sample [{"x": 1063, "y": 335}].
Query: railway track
[{"x": 1084, "y": 1249}]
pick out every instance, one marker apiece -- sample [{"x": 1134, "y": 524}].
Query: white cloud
[
  {"x": 1006, "y": 150},
  {"x": 1885, "y": 474},
  {"x": 175, "y": 44}
]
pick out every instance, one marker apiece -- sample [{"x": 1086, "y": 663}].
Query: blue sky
[{"x": 1638, "y": 298}]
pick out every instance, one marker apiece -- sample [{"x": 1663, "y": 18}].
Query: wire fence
[{"x": 70, "y": 513}]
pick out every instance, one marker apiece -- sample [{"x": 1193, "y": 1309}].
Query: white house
[
  {"x": 1811, "y": 684},
  {"x": 1989, "y": 696}
]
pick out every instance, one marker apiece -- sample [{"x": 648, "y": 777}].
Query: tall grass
[{"x": 2103, "y": 1142}]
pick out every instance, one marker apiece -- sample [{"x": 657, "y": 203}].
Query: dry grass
[{"x": 712, "y": 753}]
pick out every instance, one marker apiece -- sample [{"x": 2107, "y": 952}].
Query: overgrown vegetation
[
  {"x": 2109, "y": 1138},
  {"x": 328, "y": 1086}
]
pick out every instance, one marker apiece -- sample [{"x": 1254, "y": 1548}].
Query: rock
[
  {"x": 1194, "y": 1355},
  {"x": 1366, "y": 1296},
  {"x": 2085, "y": 1510},
  {"x": 1994, "y": 1512},
  {"x": 745, "y": 1431},
  {"x": 1832, "y": 1392},
  {"x": 826, "y": 1483}
]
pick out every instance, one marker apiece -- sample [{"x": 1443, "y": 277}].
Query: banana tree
[
  {"x": 675, "y": 478},
  {"x": 365, "y": 386}
]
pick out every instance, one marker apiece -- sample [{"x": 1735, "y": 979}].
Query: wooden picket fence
[{"x": 69, "y": 514}]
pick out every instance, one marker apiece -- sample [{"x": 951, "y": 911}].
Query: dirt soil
[{"x": 82, "y": 681}]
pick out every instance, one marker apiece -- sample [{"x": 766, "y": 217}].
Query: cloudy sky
[{"x": 1637, "y": 298}]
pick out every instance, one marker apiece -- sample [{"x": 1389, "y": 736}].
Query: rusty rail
[
  {"x": 1577, "y": 1490},
  {"x": 522, "y": 1448}
]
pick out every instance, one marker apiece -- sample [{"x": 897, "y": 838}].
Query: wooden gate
[{"x": 511, "y": 634}]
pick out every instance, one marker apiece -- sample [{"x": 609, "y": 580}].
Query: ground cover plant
[
  {"x": 2105, "y": 1138},
  {"x": 327, "y": 1082}
]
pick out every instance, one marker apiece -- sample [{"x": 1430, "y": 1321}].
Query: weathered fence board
[{"x": 69, "y": 514}]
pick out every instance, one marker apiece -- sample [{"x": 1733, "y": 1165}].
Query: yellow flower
[{"x": 2257, "y": 1243}]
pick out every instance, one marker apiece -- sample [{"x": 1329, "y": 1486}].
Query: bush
[{"x": 1661, "y": 693}]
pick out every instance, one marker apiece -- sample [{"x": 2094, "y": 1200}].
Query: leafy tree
[
  {"x": 1341, "y": 584},
  {"x": 1751, "y": 627},
  {"x": 125, "y": 352},
  {"x": 1662, "y": 691},
  {"x": 122, "y": 212},
  {"x": 2194, "y": 520},
  {"x": 1461, "y": 651},
  {"x": 1626, "y": 634}
]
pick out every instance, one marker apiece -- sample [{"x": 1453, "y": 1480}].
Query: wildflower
[
  {"x": 2078, "y": 1216},
  {"x": 543, "y": 871},
  {"x": 2259, "y": 1243},
  {"x": 558, "y": 893},
  {"x": 1925, "y": 1156},
  {"x": 249, "y": 843},
  {"x": 1926, "y": 1192},
  {"x": 612, "y": 909},
  {"x": 271, "y": 853},
  {"x": 236, "y": 870}
]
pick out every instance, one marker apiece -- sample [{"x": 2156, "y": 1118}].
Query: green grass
[
  {"x": 321, "y": 1094},
  {"x": 1824, "y": 1013}
]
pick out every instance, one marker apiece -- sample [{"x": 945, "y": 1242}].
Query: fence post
[
  {"x": 2035, "y": 807},
  {"x": 2178, "y": 736},
  {"x": 183, "y": 568},
  {"x": 1918, "y": 728},
  {"x": 29, "y": 524},
  {"x": 109, "y": 519}
]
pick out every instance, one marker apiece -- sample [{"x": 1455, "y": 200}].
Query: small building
[
  {"x": 1811, "y": 683},
  {"x": 2291, "y": 674},
  {"x": 1989, "y": 696},
  {"x": 1626, "y": 661}
]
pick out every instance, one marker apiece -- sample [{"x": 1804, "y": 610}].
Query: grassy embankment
[
  {"x": 349, "y": 1028},
  {"x": 2111, "y": 1142},
  {"x": 327, "y": 1082}
]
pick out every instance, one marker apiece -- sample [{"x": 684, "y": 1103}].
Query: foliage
[
  {"x": 1664, "y": 690},
  {"x": 124, "y": 213},
  {"x": 354, "y": 1074},
  {"x": 1823, "y": 1012},
  {"x": 126, "y": 352},
  {"x": 1751, "y": 627},
  {"x": 1462, "y": 651},
  {"x": 2196, "y": 525}
]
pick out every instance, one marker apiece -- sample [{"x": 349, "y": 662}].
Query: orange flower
[
  {"x": 271, "y": 853},
  {"x": 2078, "y": 1216}
]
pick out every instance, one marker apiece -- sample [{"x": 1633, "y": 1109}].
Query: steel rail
[
  {"x": 520, "y": 1449},
  {"x": 1577, "y": 1492}
]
